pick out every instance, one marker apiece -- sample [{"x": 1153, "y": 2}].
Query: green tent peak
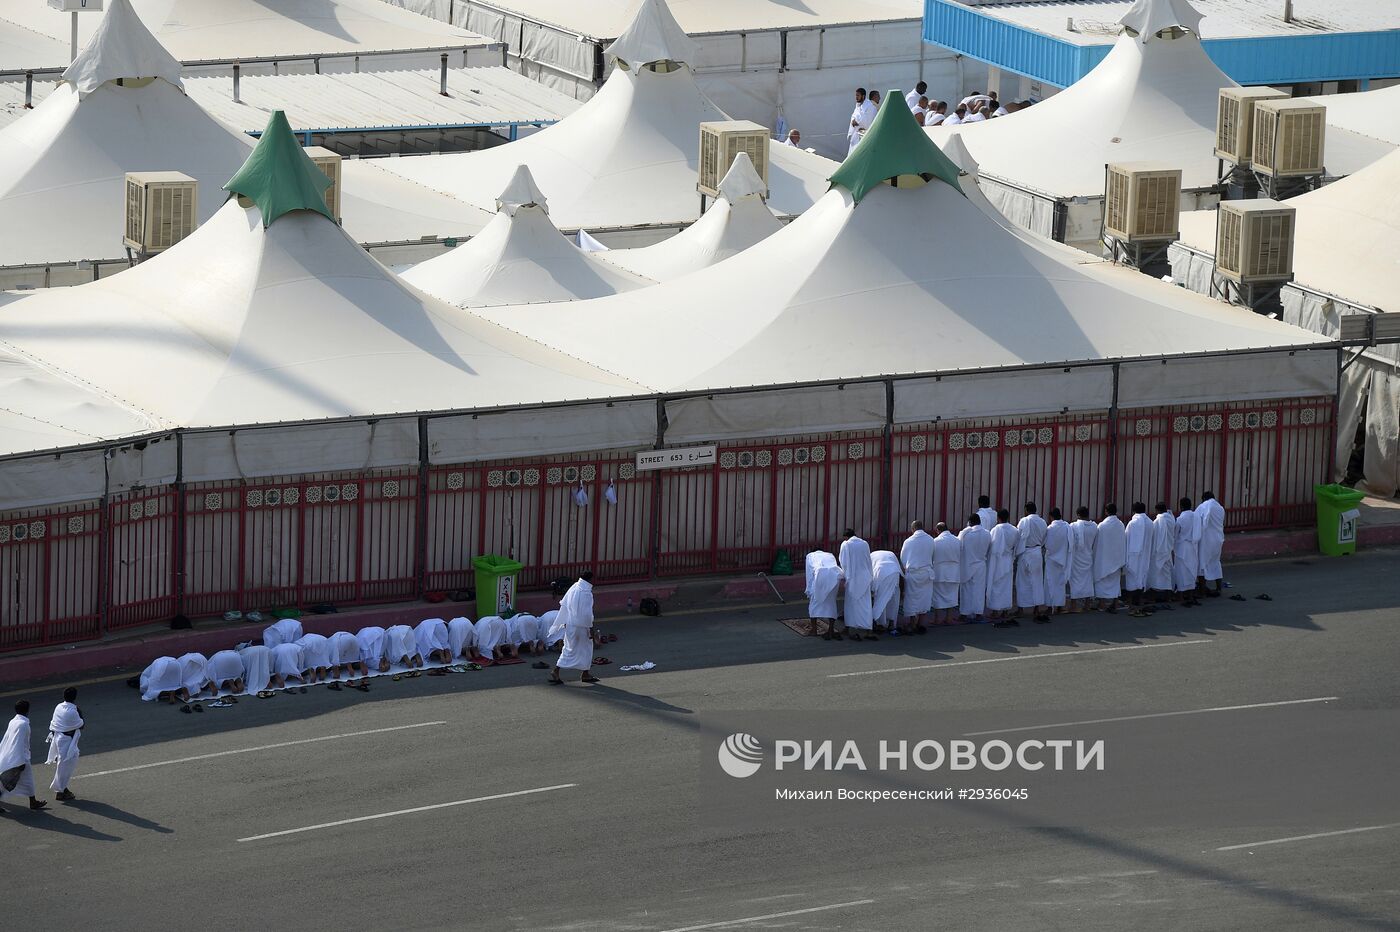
[
  {"x": 279, "y": 176},
  {"x": 894, "y": 145}
]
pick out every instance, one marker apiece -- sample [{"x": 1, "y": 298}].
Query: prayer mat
[{"x": 805, "y": 627}]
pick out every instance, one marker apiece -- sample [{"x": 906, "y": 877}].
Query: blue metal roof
[{"x": 1334, "y": 56}]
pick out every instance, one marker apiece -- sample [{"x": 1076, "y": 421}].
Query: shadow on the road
[
  {"x": 50, "y": 821},
  {"x": 108, "y": 811}
]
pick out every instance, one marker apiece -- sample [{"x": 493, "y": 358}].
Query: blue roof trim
[{"x": 1334, "y": 56}]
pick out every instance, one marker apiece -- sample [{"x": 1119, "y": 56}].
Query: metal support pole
[
  {"x": 73, "y": 41},
  {"x": 420, "y": 550},
  {"x": 29, "y": 90},
  {"x": 237, "y": 83},
  {"x": 180, "y": 518},
  {"x": 442, "y": 79}
]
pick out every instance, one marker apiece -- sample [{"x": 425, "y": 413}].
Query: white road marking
[
  {"x": 1279, "y": 841},
  {"x": 795, "y": 912},
  {"x": 263, "y": 747},
  {"x": 399, "y": 812},
  {"x": 1058, "y": 653},
  {"x": 1133, "y": 718}
]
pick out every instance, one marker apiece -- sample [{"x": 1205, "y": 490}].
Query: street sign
[
  {"x": 76, "y": 6},
  {"x": 676, "y": 459}
]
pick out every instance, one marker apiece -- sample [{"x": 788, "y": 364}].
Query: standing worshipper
[
  {"x": 1058, "y": 557},
  {"x": 16, "y": 771},
  {"x": 912, "y": 98},
  {"x": 986, "y": 512},
  {"x": 1138, "y": 563},
  {"x": 65, "y": 728},
  {"x": 576, "y": 618},
  {"x": 947, "y": 574},
  {"x": 861, "y": 118},
  {"x": 1163, "y": 543},
  {"x": 1211, "y": 541},
  {"x": 1001, "y": 571},
  {"x": 1110, "y": 555},
  {"x": 976, "y": 548},
  {"x": 1030, "y": 565},
  {"x": 1185, "y": 559},
  {"x": 854, "y": 558},
  {"x": 917, "y": 558},
  {"x": 823, "y": 583},
  {"x": 884, "y": 588},
  {"x": 1083, "y": 534}
]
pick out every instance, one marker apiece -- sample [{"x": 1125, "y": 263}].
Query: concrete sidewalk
[{"x": 133, "y": 649}]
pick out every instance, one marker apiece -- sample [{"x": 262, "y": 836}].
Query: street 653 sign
[{"x": 676, "y": 459}]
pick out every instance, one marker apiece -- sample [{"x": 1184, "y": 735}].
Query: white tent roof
[
  {"x": 734, "y": 222},
  {"x": 241, "y": 324},
  {"x": 520, "y": 258},
  {"x": 232, "y": 30},
  {"x": 41, "y": 410},
  {"x": 121, "y": 47},
  {"x": 628, "y": 157},
  {"x": 654, "y": 35},
  {"x": 850, "y": 291},
  {"x": 1347, "y": 238},
  {"x": 1153, "y": 100},
  {"x": 1367, "y": 113}
]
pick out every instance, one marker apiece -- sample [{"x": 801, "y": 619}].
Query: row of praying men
[
  {"x": 16, "y": 765},
  {"x": 288, "y": 657},
  {"x": 994, "y": 571}
]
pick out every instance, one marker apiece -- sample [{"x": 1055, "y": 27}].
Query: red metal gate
[{"x": 50, "y": 575}]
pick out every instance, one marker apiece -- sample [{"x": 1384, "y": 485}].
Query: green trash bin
[
  {"x": 495, "y": 584},
  {"x": 1337, "y": 518}
]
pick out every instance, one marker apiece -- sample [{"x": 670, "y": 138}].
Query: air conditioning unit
[
  {"x": 1234, "y": 122},
  {"x": 1254, "y": 241},
  {"x": 1289, "y": 136},
  {"x": 721, "y": 142},
  {"x": 328, "y": 162},
  {"x": 161, "y": 210},
  {"x": 1142, "y": 201}
]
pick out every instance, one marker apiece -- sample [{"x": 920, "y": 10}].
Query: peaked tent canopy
[
  {"x": 279, "y": 176},
  {"x": 520, "y": 258},
  {"x": 121, "y": 48},
  {"x": 899, "y": 150},
  {"x": 653, "y": 36},
  {"x": 1146, "y": 18}
]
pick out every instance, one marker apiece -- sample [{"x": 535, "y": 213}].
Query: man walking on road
[
  {"x": 16, "y": 771},
  {"x": 576, "y": 618},
  {"x": 65, "y": 728}
]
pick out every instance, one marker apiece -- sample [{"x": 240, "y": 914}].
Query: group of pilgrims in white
[
  {"x": 995, "y": 571},
  {"x": 290, "y": 658}
]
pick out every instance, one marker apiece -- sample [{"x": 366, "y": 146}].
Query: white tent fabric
[
  {"x": 1367, "y": 113},
  {"x": 781, "y": 312},
  {"x": 1150, "y": 99},
  {"x": 244, "y": 325},
  {"x": 122, "y": 47},
  {"x": 654, "y": 35},
  {"x": 1149, "y": 17},
  {"x": 42, "y": 409},
  {"x": 520, "y": 258},
  {"x": 736, "y": 221},
  {"x": 628, "y": 157}
]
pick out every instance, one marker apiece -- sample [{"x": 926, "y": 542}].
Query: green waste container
[
  {"x": 1337, "y": 518},
  {"x": 495, "y": 584}
]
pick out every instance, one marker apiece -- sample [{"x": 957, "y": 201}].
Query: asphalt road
[{"x": 618, "y": 837}]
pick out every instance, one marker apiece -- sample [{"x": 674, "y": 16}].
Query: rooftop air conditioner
[
  {"x": 1288, "y": 137},
  {"x": 328, "y": 162},
  {"x": 721, "y": 142},
  {"x": 1234, "y": 121},
  {"x": 1142, "y": 201},
  {"x": 1254, "y": 241},
  {"x": 160, "y": 210}
]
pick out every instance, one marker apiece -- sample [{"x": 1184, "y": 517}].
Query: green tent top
[
  {"x": 279, "y": 176},
  {"x": 894, "y": 145}
]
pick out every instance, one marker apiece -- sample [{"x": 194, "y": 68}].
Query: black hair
[
  {"x": 1030, "y": 508},
  {"x": 1184, "y": 504},
  {"x": 1055, "y": 513},
  {"x": 22, "y": 707},
  {"x": 1207, "y": 496},
  {"x": 984, "y": 501},
  {"x": 1139, "y": 508},
  {"x": 70, "y": 694},
  {"x": 1082, "y": 511},
  {"x": 974, "y": 520},
  {"x": 921, "y": 87},
  {"x": 1003, "y": 514},
  {"x": 1110, "y": 509}
]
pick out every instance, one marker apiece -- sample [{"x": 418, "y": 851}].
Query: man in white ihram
[
  {"x": 1110, "y": 555},
  {"x": 1210, "y": 518},
  {"x": 1163, "y": 544},
  {"x": 16, "y": 772},
  {"x": 1138, "y": 566},
  {"x": 576, "y": 619},
  {"x": 947, "y": 572},
  {"x": 854, "y": 558},
  {"x": 823, "y": 582},
  {"x": 861, "y": 118},
  {"x": 1058, "y": 555},
  {"x": 976, "y": 546},
  {"x": 885, "y": 575},
  {"x": 1083, "y": 535},
  {"x": 65, "y": 728},
  {"x": 916, "y": 556},
  {"x": 1030, "y": 565}
]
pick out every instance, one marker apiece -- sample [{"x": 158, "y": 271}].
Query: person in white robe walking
[
  {"x": 1163, "y": 543},
  {"x": 1184, "y": 555},
  {"x": 65, "y": 728},
  {"x": 1211, "y": 542},
  {"x": 947, "y": 574},
  {"x": 1058, "y": 556},
  {"x": 1030, "y": 565},
  {"x": 1138, "y": 557},
  {"x": 916, "y": 557},
  {"x": 1001, "y": 571},
  {"x": 1110, "y": 555},
  {"x": 885, "y": 576},
  {"x": 16, "y": 769},
  {"x": 861, "y": 118},
  {"x": 576, "y": 618},
  {"x": 854, "y": 559},
  {"x": 823, "y": 582},
  {"x": 1083, "y": 534},
  {"x": 976, "y": 543}
]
